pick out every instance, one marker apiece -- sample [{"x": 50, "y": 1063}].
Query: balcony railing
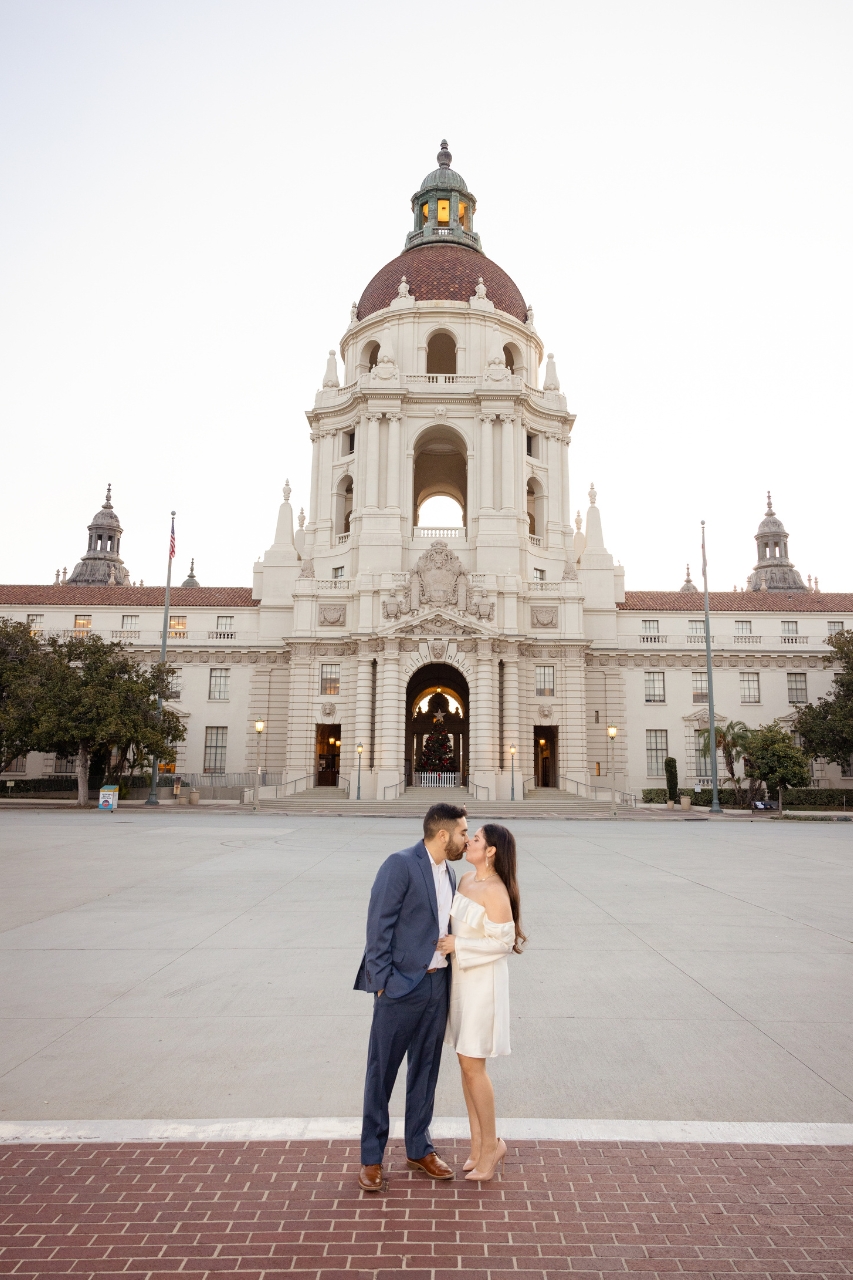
[
  {"x": 793, "y": 639},
  {"x": 342, "y": 538},
  {"x": 539, "y": 585},
  {"x": 653, "y": 637},
  {"x": 457, "y": 532},
  {"x": 333, "y": 584},
  {"x": 533, "y": 540},
  {"x": 125, "y": 635},
  {"x": 697, "y": 637},
  {"x": 746, "y": 639},
  {"x": 222, "y": 635},
  {"x": 440, "y": 379}
]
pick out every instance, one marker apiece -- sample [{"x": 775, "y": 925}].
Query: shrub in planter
[{"x": 670, "y": 768}]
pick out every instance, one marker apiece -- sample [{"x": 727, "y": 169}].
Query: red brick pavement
[{"x": 258, "y": 1209}]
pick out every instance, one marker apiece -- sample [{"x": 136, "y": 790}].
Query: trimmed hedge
[
  {"x": 66, "y": 782},
  {"x": 795, "y": 798}
]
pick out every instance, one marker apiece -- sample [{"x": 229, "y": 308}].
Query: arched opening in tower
[
  {"x": 441, "y": 353},
  {"x": 437, "y": 726},
  {"x": 440, "y": 477}
]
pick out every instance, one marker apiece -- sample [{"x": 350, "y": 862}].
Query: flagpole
[
  {"x": 712, "y": 723},
  {"x": 152, "y": 796}
]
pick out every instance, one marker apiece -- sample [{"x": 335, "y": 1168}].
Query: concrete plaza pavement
[{"x": 186, "y": 964}]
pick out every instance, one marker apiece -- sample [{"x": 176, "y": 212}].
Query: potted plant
[{"x": 670, "y": 768}]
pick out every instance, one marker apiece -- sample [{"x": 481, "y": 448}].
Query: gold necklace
[{"x": 477, "y": 879}]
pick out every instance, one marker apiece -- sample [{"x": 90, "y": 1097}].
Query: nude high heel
[
  {"x": 487, "y": 1173},
  {"x": 469, "y": 1164}
]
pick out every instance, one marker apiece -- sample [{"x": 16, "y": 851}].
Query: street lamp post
[
  {"x": 259, "y": 728},
  {"x": 152, "y": 795},
  {"x": 611, "y": 734},
  {"x": 512, "y": 759},
  {"x": 712, "y": 723},
  {"x": 359, "y": 749}
]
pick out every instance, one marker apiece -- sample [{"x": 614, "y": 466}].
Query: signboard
[{"x": 108, "y": 798}]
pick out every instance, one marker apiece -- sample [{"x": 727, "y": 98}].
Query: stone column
[
  {"x": 392, "y": 482},
  {"x": 568, "y": 532},
  {"x": 486, "y": 729},
  {"x": 363, "y": 693},
  {"x": 389, "y": 754},
  {"x": 512, "y": 729},
  {"x": 372, "y": 478},
  {"x": 301, "y": 723},
  {"x": 507, "y": 462},
  {"x": 486, "y": 463}
]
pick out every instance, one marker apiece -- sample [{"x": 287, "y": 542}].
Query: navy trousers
[{"x": 413, "y": 1024}]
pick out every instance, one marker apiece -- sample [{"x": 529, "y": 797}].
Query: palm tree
[{"x": 733, "y": 741}]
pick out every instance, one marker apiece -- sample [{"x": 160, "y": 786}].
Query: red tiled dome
[{"x": 439, "y": 272}]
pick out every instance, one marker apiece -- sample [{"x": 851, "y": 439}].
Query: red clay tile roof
[
  {"x": 739, "y": 602},
  {"x": 56, "y": 596},
  {"x": 442, "y": 272}
]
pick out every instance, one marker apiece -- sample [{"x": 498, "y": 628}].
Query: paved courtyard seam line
[
  {"x": 691, "y": 977},
  {"x": 332, "y": 1128}
]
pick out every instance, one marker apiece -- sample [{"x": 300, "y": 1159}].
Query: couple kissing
[{"x": 436, "y": 963}]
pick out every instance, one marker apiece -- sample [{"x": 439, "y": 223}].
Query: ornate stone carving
[
  {"x": 570, "y": 573},
  {"x": 376, "y": 646},
  {"x": 333, "y": 615},
  {"x": 438, "y": 649},
  {"x": 496, "y": 369},
  {"x": 466, "y": 646},
  {"x": 236, "y": 657},
  {"x": 480, "y": 606},
  {"x": 436, "y": 576},
  {"x": 271, "y": 659},
  {"x": 499, "y": 646},
  {"x": 329, "y": 709},
  {"x": 543, "y": 616},
  {"x": 397, "y": 605},
  {"x": 253, "y": 657},
  {"x": 408, "y": 646},
  {"x": 545, "y": 712},
  {"x": 307, "y": 569}
]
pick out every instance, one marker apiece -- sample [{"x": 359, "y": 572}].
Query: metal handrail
[
  {"x": 293, "y": 781},
  {"x": 391, "y": 786},
  {"x": 478, "y": 787}
]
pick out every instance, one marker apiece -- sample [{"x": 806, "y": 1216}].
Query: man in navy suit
[{"x": 409, "y": 911}]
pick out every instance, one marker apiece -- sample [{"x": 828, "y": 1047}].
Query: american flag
[{"x": 172, "y": 542}]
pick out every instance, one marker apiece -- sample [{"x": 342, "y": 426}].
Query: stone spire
[
  {"x": 101, "y": 565},
  {"x": 773, "y": 570},
  {"x": 689, "y": 584},
  {"x": 191, "y": 580}
]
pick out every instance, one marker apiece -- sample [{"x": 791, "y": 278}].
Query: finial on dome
[
  {"x": 56, "y": 580},
  {"x": 190, "y": 580},
  {"x": 286, "y": 491},
  {"x": 444, "y": 157},
  {"x": 301, "y": 517},
  {"x": 353, "y": 314},
  {"x": 403, "y": 288},
  {"x": 578, "y": 522},
  {"x": 592, "y": 495},
  {"x": 552, "y": 382},
  {"x": 770, "y": 510},
  {"x": 107, "y": 504},
  {"x": 330, "y": 378},
  {"x": 689, "y": 584}
]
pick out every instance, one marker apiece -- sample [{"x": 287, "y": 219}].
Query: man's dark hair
[{"x": 442, "y": 815}]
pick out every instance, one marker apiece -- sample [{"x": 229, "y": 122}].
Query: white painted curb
[{"x": 325, "y": 1128}]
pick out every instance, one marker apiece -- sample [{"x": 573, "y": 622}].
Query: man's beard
[{"x": 456, "y": 848}]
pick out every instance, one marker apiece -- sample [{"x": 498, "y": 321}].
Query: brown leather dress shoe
[
  {"x": 433, "y": 1166},
  {"x": 370, "y": 1177}
]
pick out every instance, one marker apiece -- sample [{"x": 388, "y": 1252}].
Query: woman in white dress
[{"x": 485, "y": 924}]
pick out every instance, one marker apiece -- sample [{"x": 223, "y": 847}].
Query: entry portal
[
  {"x": 436, "y": 724},
  {"x": 328, "y": 753},
  {"x": 545, "y": 755}
]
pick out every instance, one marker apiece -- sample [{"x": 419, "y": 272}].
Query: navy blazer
[{"x": 402, "y": 923}]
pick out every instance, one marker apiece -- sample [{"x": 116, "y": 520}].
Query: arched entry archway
[{"x": 436, "y": 701}]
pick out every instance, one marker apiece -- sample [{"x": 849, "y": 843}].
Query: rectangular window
[
  {"x": 129, "y": 621},
  {"x": 65, "y": 764},
  {"x": 701, "y": 753},
  {"x": 18, "y": 765},
  {"x": 530, "y": 446},
  {"x": 338, "y": 571},
  {"x": 598, "y": 768},
  {"x": 35, "y": 621},
  {"x": 700, "y": 686},
  {"x": 225, "y": 622},
  {"x": 218, "y": 687},
  {"x": 177, "y": 625},
  {"x": 789, "y": 628},
  {"x": 696, "y": 626},
  {"x": 538, "y": 575},
  {"x": 330, "y": 678},
  {"x": 82, "y": 621},
  {"x": 847, "y": 768},
  {"x": 544, "y": 682},
  {"x": 350, "y": 442},
  {"x": 596, "y": 717},
  {"x": 215, "y": 743},
  {"x": 176, "y": 681},
  {"x": 743, "y": 627},
  {"x": 656, "y": 752},
  {"x": 651, "y": 626},
  {"x": 655, "y": 686},
  {"x": 797, "y": 686},
  {"x": 833, "y": 628},
  {"x": 750, "y": 690},
  {"x": 443, "y": 212}
]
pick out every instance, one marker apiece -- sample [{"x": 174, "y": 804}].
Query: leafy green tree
[
  {"x": 773, "y": 758},
  {"x": 733, "y": 740},
  {"x": 22, "y": 662},
  {"x": 826, "y": 726},
  {"x": 95, "y": 695}
]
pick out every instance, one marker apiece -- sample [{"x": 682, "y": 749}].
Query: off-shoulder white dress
[{"x": 478, "y": 1020}]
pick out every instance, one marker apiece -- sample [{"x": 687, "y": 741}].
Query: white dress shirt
[{"x": 444, "y": 898}]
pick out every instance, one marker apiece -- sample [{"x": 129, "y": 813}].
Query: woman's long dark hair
[{"x": 503, "y": 842}]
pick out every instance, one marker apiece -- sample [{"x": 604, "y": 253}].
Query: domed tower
[
  {"x": 774, "y": 571},
  {"x": 102, "y": 566},
  {"x": 443, "y": 207}
]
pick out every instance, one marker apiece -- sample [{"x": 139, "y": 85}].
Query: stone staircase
[{"x": 542, "y": 803}]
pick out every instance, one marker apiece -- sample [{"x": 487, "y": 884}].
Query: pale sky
[{"x": 193, "y": 193}]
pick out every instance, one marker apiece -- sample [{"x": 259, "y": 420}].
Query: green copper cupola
[{"x": 444, "y": 208}]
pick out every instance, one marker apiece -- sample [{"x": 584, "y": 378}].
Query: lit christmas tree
[{"x": 437, "y": 756}]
